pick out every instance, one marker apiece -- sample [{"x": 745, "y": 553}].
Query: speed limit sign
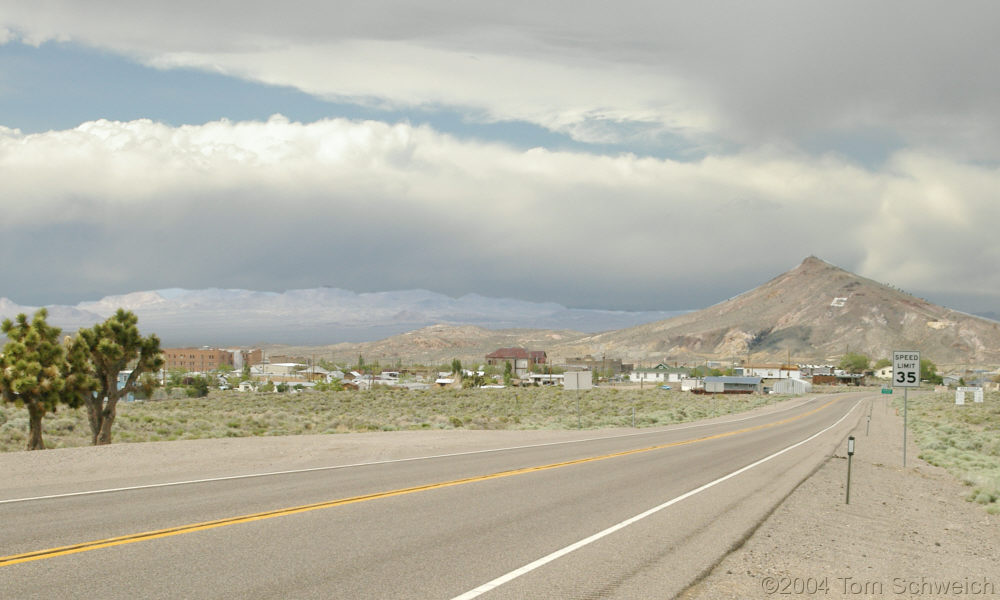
[{"x": 905, "y": 368}]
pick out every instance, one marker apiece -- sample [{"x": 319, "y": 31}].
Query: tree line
[{"x": 41, "y": 372}]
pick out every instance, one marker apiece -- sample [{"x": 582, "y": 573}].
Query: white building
[
  {"x": 792, "y": 386},
  {"x": 661, "y": 373},
  {"x": 546, "y": 378},
  {"x": 688, "y": 384},
  {"x": 770, "y": 371}
]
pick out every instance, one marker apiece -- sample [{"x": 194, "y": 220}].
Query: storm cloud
[{"x": 717, "y": 146}]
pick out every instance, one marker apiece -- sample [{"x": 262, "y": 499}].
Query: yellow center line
[{"x": 162, "y": 533}]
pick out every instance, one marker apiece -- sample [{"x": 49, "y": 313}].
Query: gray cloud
[
  {"x": 762, "y": 73},
  {"x": 777, "y": 103},
  {"x": 368, "y": 206}
]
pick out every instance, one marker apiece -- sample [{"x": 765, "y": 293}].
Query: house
[
  {"x": 545, "y": 379},
  {"x": 951, "y": 380},
  {"x": 315, "y": 373},
  {"x": 661, "y": 373},
  {"x": 812, "y": 370},
  {"x": 287, "y": 368},
  {"x": 839, "y": 378},
  {"x": 733, "y": 385},
  {"x": 603, "y": 365},
  {"x": 776, "y": 371},
  {"x": 443, "y": 382},
  {"x": 122, "y": 380},
  {"x": 884, "y": 372},
  {"x": 521, "y": 361}
]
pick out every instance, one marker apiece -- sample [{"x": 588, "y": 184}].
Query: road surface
[{"x": 623, "y": 514}]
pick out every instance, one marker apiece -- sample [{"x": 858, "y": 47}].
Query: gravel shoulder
[{"x": 907, "y": 532}]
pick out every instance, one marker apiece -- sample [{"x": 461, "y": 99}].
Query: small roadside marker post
[
  {"x": 868, "y": 427},
  {"x": 850, "y": 455}
]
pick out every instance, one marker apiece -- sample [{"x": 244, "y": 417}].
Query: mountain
[
  {"x": 437, "y": 344},
  {"x": 225, "y": 317},
  {"x": 814, "y": 313}
]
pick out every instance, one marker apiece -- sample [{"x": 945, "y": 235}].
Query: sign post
[{"x": 905, "y": 374}]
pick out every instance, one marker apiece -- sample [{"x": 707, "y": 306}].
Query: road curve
[{"x": 624, "y": 516}]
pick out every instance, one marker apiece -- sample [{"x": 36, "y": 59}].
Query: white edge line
[
  {"x": 589, "y": 540},
  {"x": 388, "y": 461}
]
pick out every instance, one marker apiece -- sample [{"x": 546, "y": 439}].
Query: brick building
[
  {"x": 209, "y": 359},
  {"x": 521, "y": 360}
]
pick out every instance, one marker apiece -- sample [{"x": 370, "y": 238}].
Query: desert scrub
[
  {"x": 235, "y": 414},
  {"x": 963, "y": 439}
]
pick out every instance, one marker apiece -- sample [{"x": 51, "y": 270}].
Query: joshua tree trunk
[
  {"x": 35, "y": 414},
  {"x": 104, "y": 435},
  {"x": 101, "y": 414},
  {"x": 94, "y": 406}
]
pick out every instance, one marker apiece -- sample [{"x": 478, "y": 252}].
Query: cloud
[
  {"x": 119, "y": 206},
  {"x": 715, "y": 75},
  {"x": 591, "y": 101}
]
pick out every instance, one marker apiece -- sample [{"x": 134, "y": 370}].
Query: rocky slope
[{"x": 813, "y": 313}]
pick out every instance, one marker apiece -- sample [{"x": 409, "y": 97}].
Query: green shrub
[
  {"x": 962, "y": 440},
  {"x": 236, "y": 414}
]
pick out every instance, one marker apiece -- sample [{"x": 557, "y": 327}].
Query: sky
[{"x": 632, "y": 155}]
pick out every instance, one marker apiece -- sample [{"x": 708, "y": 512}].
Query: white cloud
[
  {"x": 932, "y": 226},
  {"x": 369, "y": 205}
]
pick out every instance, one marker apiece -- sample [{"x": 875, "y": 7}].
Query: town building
[
  {"x": 207, "y": 359},
  {"x": 791, "y": 386},
  {"x": 604, "y": 365},
  {"x": 733, "y": 385},
  {"x": 521, "y": 361},
  {"x": 775, "y": 371},
  {"x": 661, "y": 373}
]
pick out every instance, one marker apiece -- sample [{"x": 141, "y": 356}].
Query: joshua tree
[
  {"x": 39, "y": 373},
  {"x": 114, "y": 345}
]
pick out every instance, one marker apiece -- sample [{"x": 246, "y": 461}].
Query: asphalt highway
[{"x": 638, "y": 515}]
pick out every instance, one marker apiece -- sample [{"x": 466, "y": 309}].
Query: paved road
[{"x": 436, "y": 528}]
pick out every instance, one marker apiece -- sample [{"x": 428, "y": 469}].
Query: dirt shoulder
[{"x": 907, "y": 532}]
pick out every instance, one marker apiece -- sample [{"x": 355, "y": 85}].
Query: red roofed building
[{"x": 521, "y": 360}]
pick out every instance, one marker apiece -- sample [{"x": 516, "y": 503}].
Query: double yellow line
[{"x": 260, "y": 516}]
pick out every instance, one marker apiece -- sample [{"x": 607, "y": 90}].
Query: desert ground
[{"x": 907, "y": 533}]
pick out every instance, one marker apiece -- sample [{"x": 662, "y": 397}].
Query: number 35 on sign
[{"x": 905, "y": 368}]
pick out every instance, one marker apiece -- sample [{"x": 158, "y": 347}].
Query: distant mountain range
[
  {"x": 813, "y": 313},
  {"x": 321, "y": 316}
]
